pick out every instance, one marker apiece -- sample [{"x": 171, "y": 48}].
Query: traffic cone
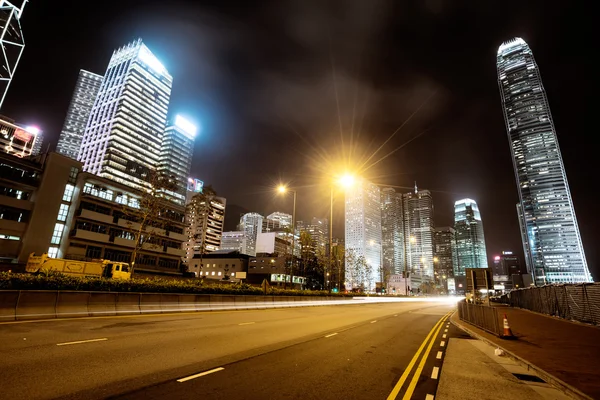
[{"x": 507, "y": 332}]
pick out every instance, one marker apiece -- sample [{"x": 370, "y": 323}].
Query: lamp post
[{"x": 283, "y": 189}]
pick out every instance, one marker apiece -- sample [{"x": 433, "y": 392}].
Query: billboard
[{"x": 195, "y": 185}]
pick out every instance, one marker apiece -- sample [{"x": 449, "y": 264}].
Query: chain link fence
[
  {"x": 484, "y": 317},
  {"x": 579, "y": 302}
]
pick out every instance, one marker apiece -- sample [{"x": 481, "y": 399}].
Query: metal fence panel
[{"x": 483, "y": 317}]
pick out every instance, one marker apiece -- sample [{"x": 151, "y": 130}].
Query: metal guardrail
[
  {"x": 483, "y": 317},
  {"x": 579, "y": 302}
]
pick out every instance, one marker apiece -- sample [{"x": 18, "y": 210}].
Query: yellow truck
[{"x": 98, "y": 269}]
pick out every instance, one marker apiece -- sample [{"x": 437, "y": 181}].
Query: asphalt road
[{"x": 329, "y": 352}]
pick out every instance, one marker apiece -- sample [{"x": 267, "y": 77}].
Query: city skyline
[{"x": 502, "y": 221}]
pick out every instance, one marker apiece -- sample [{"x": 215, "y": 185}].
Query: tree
[
  {"x": 149, "y": 213},
  {"x": 197, "y": 211}
]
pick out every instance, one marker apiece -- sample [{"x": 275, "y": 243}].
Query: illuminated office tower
[
  {"x": 251, "y": 224},
  {"x": 391, "y": 231},
  {"x": 552, "y": 242},
  {"x": 12, "y": 42},
  {"x": 470, "y": 242},
  {"x": 175, "y": 159},
  {"x": 84, "y": 95},
  {"x": 419, "y": 235},
  {"x": 123, "y": 137},
  {"x": 363, "y": 235}
]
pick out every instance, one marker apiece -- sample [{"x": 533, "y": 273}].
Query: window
[
  {"x": 57, "y": 234},
  {"x": 73, "y": 175},
  {"x": 219, "y": 273},
  {"x": 8, "y": 237},
  {"x": 93, "y": 252},
  {"x": 53, "y": 252},
  {"x": 62, "y": 212},
  {"x": 68, "y": 195}
]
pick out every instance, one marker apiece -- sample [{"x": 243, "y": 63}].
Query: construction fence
[
  {"x": 484, "y": 317},
  {"x": 579, "y": 302}
]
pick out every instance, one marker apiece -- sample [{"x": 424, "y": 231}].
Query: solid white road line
[
  {"x": 247, "y": 323},
  {"x": 331, "y": 334},
  {"x": 373, "y": 321},
  {"x": 444, "y": 336},
  {"x": 439, "y": 355},
  {"x": 429, "y": 397},
  {"x": 200, "y": 374},
  {"x": 443, "y": 343},
  {"x": 435, "y": 373},
  {"x": 82, "y": 341}
]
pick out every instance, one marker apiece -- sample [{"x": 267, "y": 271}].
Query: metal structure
[
  {"x": 11, "y": 39},
  {"x": 484, "y": 317},
  {"x": 552, "y": 242}
]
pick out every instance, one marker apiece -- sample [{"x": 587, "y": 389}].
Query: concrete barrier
[
  {"x": 128, "y": 304},
  {"x": 8, "y": 305},
  {"x": 34, "y": 304},
  {"x": 244, "y": 302},
  {"x": 102, "y": 304},
  {"x": 169, "y": 303},
  {"x": 187, "y": 302},
  {"x": 150, "y": 303},
  {"x": 202, "y": 302},
  {"x": 72, "y": 304}
]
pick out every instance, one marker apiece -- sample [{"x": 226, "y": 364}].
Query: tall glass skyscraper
[
  {"x": 363, "y": 232},
  {"x": 12, "y": 42},
  {"x": 553, "y": 248},
  {"x": 419, "y": 235},
  {"x": 468, "y": 233},
  {"x": 84, "y": 95},
  {"x": 392, "y": 231},
  {"x": 123, "y": 137}
]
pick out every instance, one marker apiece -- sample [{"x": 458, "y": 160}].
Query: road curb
[{"x": 565, "y": 387}]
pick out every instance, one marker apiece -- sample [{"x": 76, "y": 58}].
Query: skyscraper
[
  {"x": 470, "y": 242},
  {"x": 204, "y": 230},
  {"x": 554, "y": 251},
  {"x": 392, "y": 234},
  {"x": 419, "y": 235},
  {"x": 175, "y": 158},
  {"x": 84, "y": 95},
  {"x": 444, "y": 255},
  {"x": 363, "y": 233},
  {"x": 12, "y": 42},
  {"x": 123, "y": 137},
  {"x": 280, "y": 219},
  {"x": 251, "y": 224}
]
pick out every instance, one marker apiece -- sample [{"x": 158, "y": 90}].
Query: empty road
[{"x": 369, "y": 351}]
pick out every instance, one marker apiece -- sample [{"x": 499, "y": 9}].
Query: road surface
[{"x": 369, "y": 351}]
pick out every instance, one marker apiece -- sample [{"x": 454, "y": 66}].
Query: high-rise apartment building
[
  {"x": 444, "y": 255},
  {"x": 363, "y": 234},
  {"x": 175, "y": 158},
  {"x": 318, "y": 229},
  {"x": 554, "y": 251},
  {"x": 392, "y": 234},
  {"x": 12, "y": 42},
  {"x": 84, "y": 96},
  {"x": 251, "y": 224},
  {"x": 283, "y": 220},
  {"x": 204, "y": 229},
  {"x": 419, "y": 235},
  {"x": 470, "y": 241},
  {"x": 123, "y": 137}
]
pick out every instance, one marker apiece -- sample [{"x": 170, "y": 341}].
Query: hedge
[{"x": 58, "y": 281}]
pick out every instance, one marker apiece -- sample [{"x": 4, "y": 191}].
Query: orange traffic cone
[{"x": 507, "y": 332}]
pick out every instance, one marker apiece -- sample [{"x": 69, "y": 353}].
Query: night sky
[{"x": 261, "y": 79}]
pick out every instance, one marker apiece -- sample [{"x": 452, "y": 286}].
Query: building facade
[
  {"x": 280, "y": 219},
  {"x": 175, "y": 159},
  {"x": 444, "y": 255},
  {"x": 204, "y": 225},
  {"x": 363, "y": 235},
  {"x": 419, "y": 236},
  {"x": 233, "y": 241},
  {"x": 392, "y": 234},
  {"x": 123, "y": 137},
  {"x": 554, "y": 250},
  {"x": 17, "y": 140},
  {"x": 251, "y": 224},
  {"x": 12, "y": 42},
  {"x": 78, "y": 113},
  {"x": 470, "y": 241}
]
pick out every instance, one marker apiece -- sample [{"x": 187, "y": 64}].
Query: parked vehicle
[{"x": 99, "y": 269}]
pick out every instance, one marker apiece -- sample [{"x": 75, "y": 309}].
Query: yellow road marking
[
  {"x": 200, "y": 374},
  {"x": 400, "y": 382},
  {"x": 413, "y": 383},
  {"x": 82, "y": 341}
]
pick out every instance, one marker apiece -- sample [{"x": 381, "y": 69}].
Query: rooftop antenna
[{"x": 415, "y": 187}]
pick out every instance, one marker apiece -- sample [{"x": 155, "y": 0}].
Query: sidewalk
[{"x": 565, "y": 350}]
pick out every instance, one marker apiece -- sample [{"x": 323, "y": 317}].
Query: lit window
[
  {"x": 62, "y": 212},
  {"x": 213, "y": 273},
  {"x": 56, "y": 235},
  {"x": 233, "y": 274},
  {"x": 53, "y": 252},
  {"x": 68, "y": 194},
  {"x": 219, "y": 273}
]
